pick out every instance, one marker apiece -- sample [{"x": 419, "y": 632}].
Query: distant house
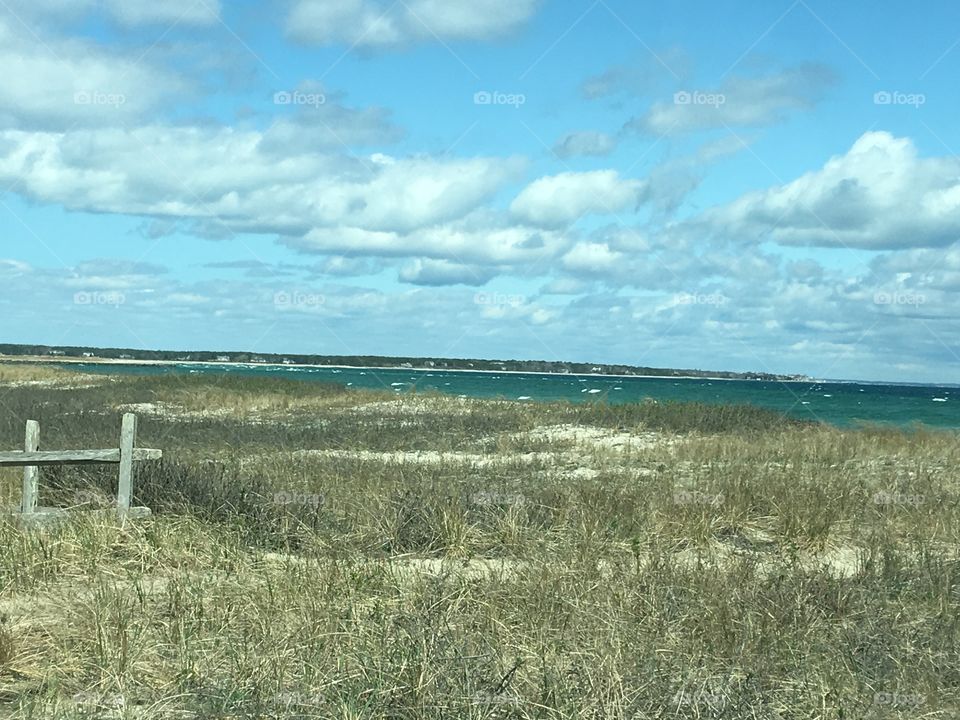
[
  {"x": 257, "y": 359},
  {"x": 88, "y": 355},
  {"x": 596, "y": 369},
  {"x": 56, "y": 352},
  {"x": 126, "y": 357},
  {"x": 406, "y": 365},
  {"x": 223, "y": 358},
  {"x": 288, "y": 361}
]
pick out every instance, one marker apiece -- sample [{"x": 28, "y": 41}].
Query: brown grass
[{"x": 704, "y": 572}]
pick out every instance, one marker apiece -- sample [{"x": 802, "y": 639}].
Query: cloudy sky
[{"x": 725, "y": 184}]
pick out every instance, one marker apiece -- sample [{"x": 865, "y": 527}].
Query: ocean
[{"x": 840, "y": 403}]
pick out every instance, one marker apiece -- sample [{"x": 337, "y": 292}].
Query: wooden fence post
[
  {"x": 128, "y": 436},
  {"x": 28, "y": 503},
  {"x": 31, "y": 459}
]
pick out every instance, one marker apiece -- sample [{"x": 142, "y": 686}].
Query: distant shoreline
[{"x": 124, "y": 361}]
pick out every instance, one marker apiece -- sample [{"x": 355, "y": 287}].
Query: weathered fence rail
[{"x": 31, "y": 458}]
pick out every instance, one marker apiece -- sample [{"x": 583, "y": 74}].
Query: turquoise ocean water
[{"x": 835, "y": 402}]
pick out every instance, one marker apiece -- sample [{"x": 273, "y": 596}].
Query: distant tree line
[{"x": 545, "y": 366}]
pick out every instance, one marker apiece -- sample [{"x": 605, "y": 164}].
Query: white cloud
[
  {"x": 379, "y": 23},
  {"x": 13, "y": 268},
  {"x": 879, "y": 195},
  {"x": 225, "y": 175},
  {"x": 739, "y": 102},
  {"x": 424, "y": 271},
  {"x": 340, "y": 266},
  {"x": 768, "y": 322},
  {"x": 590, "y": 258},
  {"x": 56, "y": 83},
  {"x": 921, "y": 270},
  {"x": 559, "y": 200},
  {"x": 480, "y": 239}
]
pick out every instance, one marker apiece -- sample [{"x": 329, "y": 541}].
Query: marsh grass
[
  {"x": 20, "y": 372},
  {"x": 741, "y": 566}
]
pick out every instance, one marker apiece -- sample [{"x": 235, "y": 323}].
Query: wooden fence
[{"x": 31, "y": 458}]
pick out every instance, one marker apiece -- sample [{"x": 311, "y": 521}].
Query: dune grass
[
  {"x": 322, "y": 553},
  {"x": 19, "y": 372}
]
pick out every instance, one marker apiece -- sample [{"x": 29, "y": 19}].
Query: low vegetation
[{"x": 318, "y": 552}]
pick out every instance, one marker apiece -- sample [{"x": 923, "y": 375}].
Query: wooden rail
[
  {"x": 31, "y": 458},
  {"x": 72, "y": 457}
]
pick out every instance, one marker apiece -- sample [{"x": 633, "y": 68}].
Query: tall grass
[{"x": 737, "y": 565}]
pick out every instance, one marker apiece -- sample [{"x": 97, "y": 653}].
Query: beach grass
[{"x": 320, "y": 552}]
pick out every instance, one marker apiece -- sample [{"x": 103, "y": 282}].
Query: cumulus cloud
[
  {"x": 54, "y": 83},
  {"x": 379, "y": 23},
  {"x": 592, "y": 258},
  {"x": 559, "y": 200},
  {"x": 480, "y": 239},
  {"x": 226, "y": 175},
  {"x": 925, "y": 271},
  {"x": 738, "y": 102},
  {"x": 424, "y": 271},
  {"x": 587, "y": 142},
  {"x": 878, "y": 195}
]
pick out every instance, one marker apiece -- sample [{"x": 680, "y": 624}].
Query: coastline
[{"x": 208, "y": 363}]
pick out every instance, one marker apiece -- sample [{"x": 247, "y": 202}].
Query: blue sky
[{"x": 731, "y": 185}]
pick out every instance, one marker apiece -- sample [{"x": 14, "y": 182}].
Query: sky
[{"x": 732, "y": 185}]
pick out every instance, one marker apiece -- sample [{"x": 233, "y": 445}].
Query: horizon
[
  {"x": 718, "y": 185},
  {"x": 797, "y": 377}
]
